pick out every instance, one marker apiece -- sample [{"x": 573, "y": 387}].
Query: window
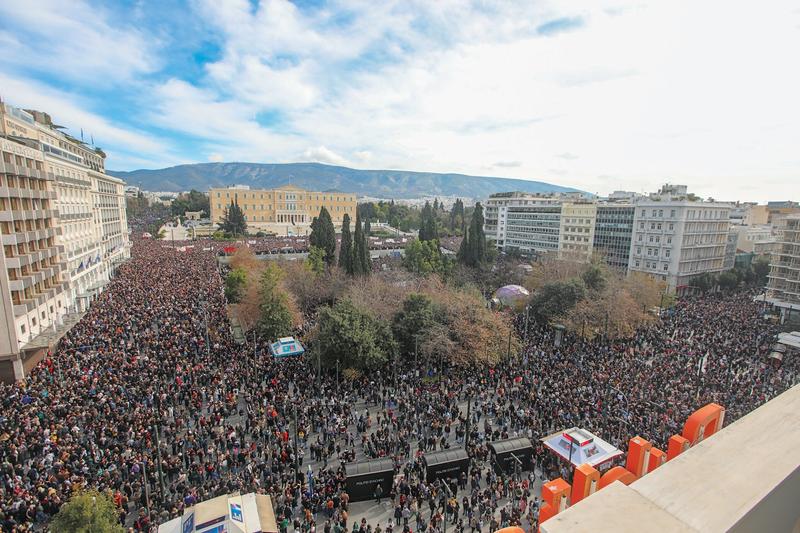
[
  {"x": 666, "y": 267},
  {"x": 22, "y": 328},
  {"x": 666, "y": 252},
  {"x": 671, "y": 226}
]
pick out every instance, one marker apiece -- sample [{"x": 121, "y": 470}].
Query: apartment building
[
  {"x": 282, "y": 208},
  {"x": 33, "y": 293},
  {"x": 78, "y": 176},
  {"x": 783, "y": 287},
  {"x": 111, "y": 221},
  {"x": 79, "y": 208},
  {"x": 613, "y": 233},
  {"x": 672, "y": 234},
  {"x": 576, "y": 230},
  {"x": 524, "y": 222},
  {"x": 760, "y": 239},
  {"x": 675, "y": 238}
]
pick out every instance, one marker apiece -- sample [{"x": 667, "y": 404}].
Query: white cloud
[
  {"x": 77, "y": 40},
  {"x": 321, "y": 154},
  {"x": 215, "y": 158},
  {"x": 120, "y": 143}
]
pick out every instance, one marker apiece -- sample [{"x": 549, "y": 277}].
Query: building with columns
[{"x": 283, "y": 209}]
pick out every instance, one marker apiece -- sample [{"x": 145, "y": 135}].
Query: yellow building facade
[{"x": 283, "y": 207}]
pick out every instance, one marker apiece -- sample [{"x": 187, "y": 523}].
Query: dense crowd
[{"x": 154, "y": 361}]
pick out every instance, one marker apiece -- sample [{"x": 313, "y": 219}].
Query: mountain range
[{"x": 320, "y": 177}]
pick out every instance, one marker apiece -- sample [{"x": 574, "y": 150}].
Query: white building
[
  {"x": 525, "y": 222},
  {"x": 32, "y": 291},
  {"x": 676, "y": 239},
  {"x": 111, "y": 221},
  {"x": 760, "y": 239},
  {"x": 78, "y": 175},
  {"x": 576, "y": 232},
  {"x": 784, "y": 277},
  {"x": 64, "y": 230}
]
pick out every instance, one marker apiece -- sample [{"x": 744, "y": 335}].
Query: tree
[
  {"x": 760, "y": 268},
  {"x": 424, "y": 257},
  {"x": 428, "y": 230},
  {"x": 457, "y": 216},
  {"x": 367, "y": 227},
  {"x": 233, "y": 221},
  {"x": 275, "y": 318},
  {"x": 87, "y": 512},
  {"x": 191, "y": 201},
  {"x": 362, "y": 265},
  {"x": 316, "y": 260},
  {"x": 705, "y": 282},
  {"x": 554, "y": 300},
  {"x": 346, "y": 248},
  {"x": 728, "y": 280},
  {"x": 612, "y": 312},
  {"x": 353, "y": 337},
  {"x": 234, "y": 285},
  {"x": 594, "y": 278},
  {"x": 473, "y": 249},
  {"x": 323, "y": 235},
  {"x": 413, "y": 320}
]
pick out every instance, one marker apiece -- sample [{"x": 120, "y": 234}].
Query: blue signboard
[{"x": 236, "y": 512}]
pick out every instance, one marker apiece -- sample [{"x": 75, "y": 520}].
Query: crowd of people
[{"x": 150, "y": 399}]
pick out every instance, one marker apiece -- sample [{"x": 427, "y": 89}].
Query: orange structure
[
  {"x": 657, "y": 458},
  {"x": 555, "y": 498},
  {"x": 676, "y": 446},
  {"x": 642, "y": 458},
  {"x": 617, "y": 473},
  {"x": 638, "y": 459},
  {"x": 703, "y": 423},
  {"x": 585, "y": 481}
]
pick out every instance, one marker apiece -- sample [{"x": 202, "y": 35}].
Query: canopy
[
  {"x": 580, "y": 446},
  {"x": 511, "y": 294},
  {"x": 286, "y": 347}
]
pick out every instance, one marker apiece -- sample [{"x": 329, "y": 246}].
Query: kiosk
[
  {"x": 445, "y": 464},
  {"x": 511, "y": 455},
  {"x": 363, "y": 477}
]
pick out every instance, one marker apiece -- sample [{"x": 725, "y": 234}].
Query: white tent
[{"x": 580, "y": 446}]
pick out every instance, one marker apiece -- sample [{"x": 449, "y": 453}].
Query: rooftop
[{"x": 746, "y": 477}]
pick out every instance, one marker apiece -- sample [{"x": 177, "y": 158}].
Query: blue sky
[{"x": 596, "y": 94}]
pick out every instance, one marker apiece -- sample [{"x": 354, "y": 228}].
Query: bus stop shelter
[
  {"x": 511, "y": 455},
  {"x": 445, "y": 464},
  {"x": 363, "y": 477}
]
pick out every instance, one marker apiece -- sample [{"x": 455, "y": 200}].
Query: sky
[{"x": 601, "y": 95}]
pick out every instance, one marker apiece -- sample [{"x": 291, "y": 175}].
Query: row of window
[{"x": 289, "y": 196}]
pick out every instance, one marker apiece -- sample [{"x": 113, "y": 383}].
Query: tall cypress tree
[
  {"x": 346, "y": 249},
  {"x": 473, "y": 248},
  {"x": 367, "y": 228},
  {"x": 361, "y": 263},
  {"x": 323, "y": 235}
]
